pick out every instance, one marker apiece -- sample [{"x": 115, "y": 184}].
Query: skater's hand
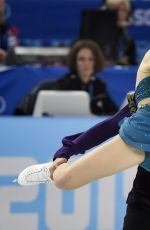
[{"x": 55, "y": 164}]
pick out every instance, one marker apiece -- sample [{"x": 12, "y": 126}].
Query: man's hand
[{"x": 55, "y": 164}]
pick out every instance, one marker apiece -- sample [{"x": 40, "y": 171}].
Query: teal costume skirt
[{"x": 135, "y": 131}]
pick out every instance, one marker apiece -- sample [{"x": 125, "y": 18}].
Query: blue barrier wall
[
  {"x": 26, "y": 141},
  {"x": 16, "y": 83}
]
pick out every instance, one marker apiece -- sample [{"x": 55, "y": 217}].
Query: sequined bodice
[{"x": 143, "y": 90}]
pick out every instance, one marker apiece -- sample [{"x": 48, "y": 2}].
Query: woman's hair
[
  {"x": 116, "y": 2},
  {"x": 85, "y": 44}
]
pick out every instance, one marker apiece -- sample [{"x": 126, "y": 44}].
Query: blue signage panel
[{"x": 25, "y": 141}]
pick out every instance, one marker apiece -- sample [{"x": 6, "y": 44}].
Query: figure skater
[{"x": 128, "y": 148}]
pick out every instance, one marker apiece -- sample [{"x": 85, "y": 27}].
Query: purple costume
[{"x": 80, "y": 142}]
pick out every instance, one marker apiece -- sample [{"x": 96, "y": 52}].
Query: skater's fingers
[
  {"x": 55, "y": 164},
  {"x": 52, "y": 169}
]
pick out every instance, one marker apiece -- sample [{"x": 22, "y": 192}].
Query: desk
[{"x": 17, "y": 82}]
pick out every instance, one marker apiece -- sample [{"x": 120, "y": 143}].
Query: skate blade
[{"x": 15, "y": 181}]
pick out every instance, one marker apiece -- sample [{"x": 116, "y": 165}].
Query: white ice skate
[{"x": 34, "y": 175}]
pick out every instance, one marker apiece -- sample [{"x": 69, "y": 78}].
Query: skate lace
[{"x": 41, "y": 175}]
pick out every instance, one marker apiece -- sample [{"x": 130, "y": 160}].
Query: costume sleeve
[{"x": 79, "y": 143}]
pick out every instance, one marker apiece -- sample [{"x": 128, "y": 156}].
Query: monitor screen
[{"x": 101, "y": 27}]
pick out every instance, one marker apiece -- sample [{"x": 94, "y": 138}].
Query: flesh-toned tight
[{"x": 105, "y": 160}]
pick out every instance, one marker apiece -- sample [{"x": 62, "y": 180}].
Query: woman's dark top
[{"x": 101, "y": 102}]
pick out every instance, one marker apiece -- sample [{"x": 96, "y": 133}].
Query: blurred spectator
[
  {"x": 127, "y": 49},
  {"x": 8, "y": 34},
  {"x": 84, "y": 60}
]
